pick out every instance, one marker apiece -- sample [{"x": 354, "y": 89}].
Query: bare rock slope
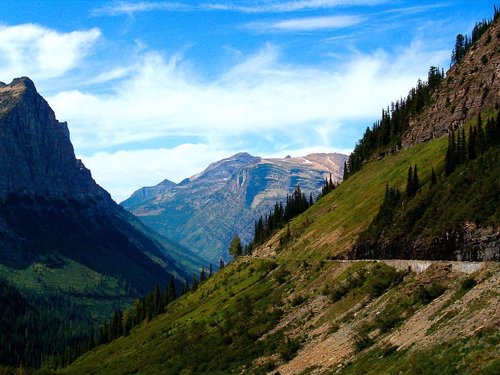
[{"x": 203, "y": 212}]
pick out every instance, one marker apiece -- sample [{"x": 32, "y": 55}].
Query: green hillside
[
  {"x": 260, "y": 312},
  {"x": 312, "y": 299}
]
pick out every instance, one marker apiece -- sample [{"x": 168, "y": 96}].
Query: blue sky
[{"x": 159, "y": 89}]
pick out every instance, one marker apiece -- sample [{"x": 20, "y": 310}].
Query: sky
[{"x": 155, "y": 90}]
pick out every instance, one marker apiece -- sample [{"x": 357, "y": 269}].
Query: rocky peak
[{"x": 36, "y": 154}]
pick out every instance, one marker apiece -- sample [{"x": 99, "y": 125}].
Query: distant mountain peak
[
  {"x": 204, "y": 211},
  {"x": 50, "y": 204}
]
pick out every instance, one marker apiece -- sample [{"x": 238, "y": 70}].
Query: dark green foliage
[
  {"x": 412, "y": 182},
  {"x": 389, "y": 318},
  {"x": 471, "y": 355},
  {"x": 281, "y": 274},
  {"x": 235, "y": 247},
  {"x": 146, "y": 308},
  {"x": 433, "y": 178},
  {"x": 435, "y": 217},
  {"x": 41, "y": 330},
  {"x": 373, "y": 282},
  {"x": 386, "y": 134},
  {"x": 328, "y": 186},
  {"x": 427, "y": 294},
  {"x": 478, "y": 141},
  {"x": 381, "y": 278},
  {"x": 463, "y": 43},
  {"x": 296, "y": 204},
  {"x": 362, "y": 340},
  {"x": 288, "y": 349},
  {"x": 468, "y": 284}
]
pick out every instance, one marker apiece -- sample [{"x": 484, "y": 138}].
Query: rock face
[
  {"x": 471, "y": 86},
  {"x": 203, "y": 212},
  {"x": 49, "y": 203},
  {"x": 36, "y": 155}
]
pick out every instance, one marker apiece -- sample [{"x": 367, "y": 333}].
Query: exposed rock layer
[
  {"x": 203, "y": 212},
  {"x": 49, "y": 203},
  {"x": 471, "y": 86}
]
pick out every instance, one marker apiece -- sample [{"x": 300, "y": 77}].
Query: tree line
[
  {"x": 462, "y": 149},
  {"x": 148, "y": 307},
  {"x": 386, "y": 133},
  {"x": 467, "y": 192},
  {"x": 463, "y": 43},
  {"x": 281, "y": 214},
  {"x": 36, "y": 330}
]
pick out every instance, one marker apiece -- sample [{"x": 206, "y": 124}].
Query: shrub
[
  {"x": 468, "y": 284},
  {"x": 425, "y": 295}
]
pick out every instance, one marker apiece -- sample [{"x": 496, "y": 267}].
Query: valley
[{"x": 388, "y": 265}]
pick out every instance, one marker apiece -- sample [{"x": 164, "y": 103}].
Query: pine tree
[
  {"x": 433, "y": 177},
  {"x": 450, "y": 154},
  {"x": 345, "y": 175},
  {"x": 194, "y": 282},
  {"x": 203, "y": 275},
  {"x": 463, "y": 147},
  {"x": 409, "y": 183},
  {"x": 221, "y": 263},
  {"x": 235, "y": 248},
  {"x": 415, "y": 181},
  {"x": 480, "y": 145},
  {"x": 471, "y": 144}
]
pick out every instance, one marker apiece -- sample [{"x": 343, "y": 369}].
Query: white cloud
[
  {"x": 123, "y": 172},
  {"x": 259, "y": 102},
  {"x": 41, "y": 53},
  {"x": 307, "y": 24},
  {"x": 261, "y": 95},
  {"x": 289, "y": 6},
  {"x": 130, "y": 8}
]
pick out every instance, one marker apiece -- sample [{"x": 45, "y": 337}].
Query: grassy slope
[
  {"x": 330, "y": 227},
  {"x": 299, "y": 281}
]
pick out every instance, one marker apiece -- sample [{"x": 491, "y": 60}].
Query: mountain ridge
[
  {"x": 205, "y": 211},
  {"x": 294, "y": 308},
  {"x": 50, "y": 204}
]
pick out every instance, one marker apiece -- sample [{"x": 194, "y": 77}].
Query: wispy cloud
[
  {"x": 261, "y": 96},
  {"x": 307, "y": 24},
  {"x": 130, "y": 8},
  {"x": 42, "y": 53},
  {"x": 289, "y": 6}
]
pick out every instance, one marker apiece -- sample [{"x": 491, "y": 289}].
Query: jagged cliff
[
  {"x": 204, "y": 212},
  {"x": 51, "y": 206}
]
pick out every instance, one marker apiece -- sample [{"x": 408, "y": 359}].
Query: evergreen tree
[
  {"x": 194, "y": 282},
  {"x": 409, "y": 183},
  {"x": 433, "y": 177},
  {"x": 221, "y": 263},
  {"x": 450, "y": 159},
  {"x": 471, "y": 145},
  {"x": 415, "y": 181},
  {"x": 345, "y": 175},
  {"x": 235, "y": 248},
  {"x": 203, "y": 275}
]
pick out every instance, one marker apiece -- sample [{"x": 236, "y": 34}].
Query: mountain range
[
  {"x": 320, "y": 295},
  {"x": 205, "y": 211},
  {"x": 54, "y": 216}
]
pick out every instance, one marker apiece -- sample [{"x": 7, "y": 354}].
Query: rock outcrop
[
  {"x": 471, "y": 86},
  {"x": 204, "y": 211},
  {"x": 50, "y": 205}
]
